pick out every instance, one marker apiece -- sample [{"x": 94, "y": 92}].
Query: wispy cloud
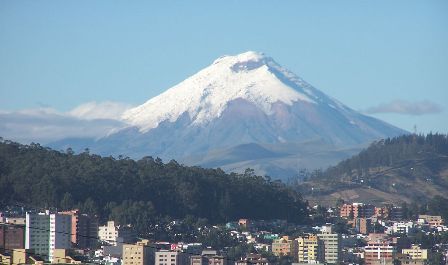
[
  {"x": 406, "y": 107},
  {"x": 45, "y": 125},
  {"x": 100, "y": 110}
]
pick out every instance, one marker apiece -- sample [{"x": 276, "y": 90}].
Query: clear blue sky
[{"x": 366, "y": 54}]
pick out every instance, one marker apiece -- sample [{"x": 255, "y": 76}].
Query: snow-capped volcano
[
  {"x": 244, "y": 111},
  {"x": 250, "y": 76}
]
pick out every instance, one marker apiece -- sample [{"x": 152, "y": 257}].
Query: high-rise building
[
  {"x": 331, "y": 245},
  {"x": 84, "y": 229},
  {"x": 310, "y": 249},
  {"x": 46, "y": 232}
]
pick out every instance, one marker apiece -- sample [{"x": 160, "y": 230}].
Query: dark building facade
[
  {"x": 84, "y": 229},
  {"x": 12, "y": 237}
]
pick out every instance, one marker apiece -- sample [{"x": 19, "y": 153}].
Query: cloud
[
  {"x": 102, "y": 110},
  {"x": 46, "y": 125},
  {"x": 406, "y": 107}
]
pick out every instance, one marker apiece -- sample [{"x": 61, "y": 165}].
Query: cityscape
[
  {"x": 353, "y": 233},
  {"x": 224, "y": 132}
]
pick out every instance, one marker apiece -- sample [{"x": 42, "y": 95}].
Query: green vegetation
[
  {"x": 435, "y": 206},
  {"x": 391, "y": 152},
  {"x": 136, "y": 191},
  {"x": 405, "y": 168}
]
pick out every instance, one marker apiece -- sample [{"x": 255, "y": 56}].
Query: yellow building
[
  {"x": 136, "y": 254},
  {"x": 415, "y": 252},
  {"x": 309, "y": 249},
  {"x": 282, "y": 246},
  {"x": 432, "y": 220},
  {"x": 60, "y": 257},
  {"x": 24, "y": 256},
  {"x": 5, "y": 259}
]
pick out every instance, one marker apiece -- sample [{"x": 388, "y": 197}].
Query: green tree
[{"x": 67, "y": 201}]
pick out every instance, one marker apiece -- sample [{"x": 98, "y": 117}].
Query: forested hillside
[
  {"x": 138, "y": 190},
  {"x": 405, "y": 168}
]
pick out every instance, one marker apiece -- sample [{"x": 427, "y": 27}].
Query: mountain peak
[
  {"x": 250, "y": 76},
  {"x": 242, "y": 57},
  {"x": 246, "y": 61}
]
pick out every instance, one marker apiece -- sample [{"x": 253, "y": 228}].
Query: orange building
[
  {"x": 282, "y": 246},
  {"x": 357, "y": 210},
  {"x": 379, "y": 252},
  {"x": 84, "y": 229}
]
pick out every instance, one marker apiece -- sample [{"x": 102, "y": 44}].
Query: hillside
[
  {"x": 406, "y": 168},
  {"x": 41, "y": 177}
]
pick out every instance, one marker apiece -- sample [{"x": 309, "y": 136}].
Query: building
[
  {"x": 244, "y": 223},
  {"x": 12, "y": 236},
  {"x": 16, "y": 220},
  {"x": 5, "y": 259},
  {"x": 24, "y": 256},
  {"x": 309, "y": 249},
  {"x": 396, "y": 213},
  {"x": 255, "y": 259},
  {"x": 357, "y": 210},
  {"x": 432, "y": 220},
  {"x": 406, "y": 260},
  {"x": 198, "y": 260},
  {"x": 166, "y": 257},
  {"x": 415, "y": 252},
  {"x": 112, "y": 234},
  {"x": 137, "y": 254},
  {"x": 282, "y": 246},
  {"x": 61, "y": 257},
  {"x": 331, "y": 245},
  {"x": 46, "y": 232},
  {"x": 213, "y": 258},
  {"x": 362, "y": 225},
  {"x": 84, "y": 229},
  {"x": 217, "y": 260},
  {"x": 379, "y": 252},
  {"x": 402, "y": 228},
  {"x": 382, "y": 212}
]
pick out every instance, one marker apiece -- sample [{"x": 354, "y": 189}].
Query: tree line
[
  {"x": 390, "y": 152},
  {"x": 135, "y": 191}
]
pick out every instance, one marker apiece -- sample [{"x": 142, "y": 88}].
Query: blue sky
[{"x": 387, "y": 58}]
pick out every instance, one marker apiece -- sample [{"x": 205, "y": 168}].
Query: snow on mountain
[{"x": 205, "y": 95}]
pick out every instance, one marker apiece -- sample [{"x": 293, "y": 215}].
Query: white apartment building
[
  {"x": 46, "y": 232},
  {"x": 401, "y": 228},
  {"x": 114, "y": 234}
]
